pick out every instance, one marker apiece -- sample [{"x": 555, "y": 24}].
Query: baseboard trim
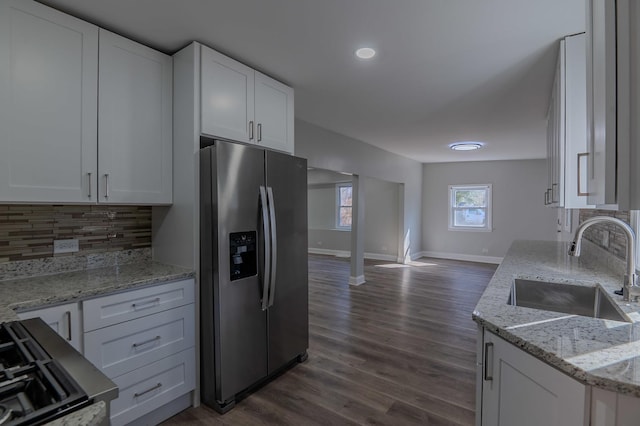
[
  {"x": 328, "y": 252},
  {"x": 343, "y": 253},
  {"x": 356, "y": 281},
  {"x": 458, "y": 256}
]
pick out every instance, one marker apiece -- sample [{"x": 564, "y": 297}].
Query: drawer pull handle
[
  {"x": 138, "y": 394},
  {"x": 146, "y": 305},
  {"x": 146, "y": 342},
  {"x": 488, "y": 363},
  {"x": 68, "y": 315}
]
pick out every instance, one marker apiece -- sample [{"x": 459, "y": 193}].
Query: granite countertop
[
  {"x": 91, "y": 415},
  {"x": 598, "y": 352},
  {"x": 39, "y": 291}
]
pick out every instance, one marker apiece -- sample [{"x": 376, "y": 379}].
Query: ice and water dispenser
[{"x": 242, "y": 249}]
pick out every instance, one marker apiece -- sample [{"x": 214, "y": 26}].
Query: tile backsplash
[
  {"x": 27, "y": 231},
  {"x": 596, "y": 233}
]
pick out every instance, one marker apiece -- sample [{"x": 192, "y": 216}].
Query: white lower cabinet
[
  {"x": 613, "y": 409},
  {"x": 518, "y": 389},
  {"x": 515, "y": 388},
  {"x": 144, "y": 340},
  {"x": 63, "y": 319},
  {"x": 152, "y": 386}
]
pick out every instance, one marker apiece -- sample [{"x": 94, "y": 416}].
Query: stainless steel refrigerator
[{"x": 253, "y": 268}]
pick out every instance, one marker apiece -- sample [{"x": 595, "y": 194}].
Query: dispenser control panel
[{"x": 243, "y": 253}]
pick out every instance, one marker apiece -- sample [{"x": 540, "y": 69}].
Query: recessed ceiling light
[
  {"x": 365, "y": 53},
  {"x": 466, "y": 146}
]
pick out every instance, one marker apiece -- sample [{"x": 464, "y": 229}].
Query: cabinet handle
[
  {"x": 106, "y": 185},
  {"x": 259, "y": 132},
  {"x": 137, "y": 394},
  {"x": 135, "y": 345},
  {"x": 145, "y": 305},
  {"x": 89, "y": 177},
  {"x": 68, "y": 315},
  {"x": 488, "y": 375},
  {"x": 251, "y": 130},
  {"x": 553, "y": 193},
  {"x": 580, "y": 193}
]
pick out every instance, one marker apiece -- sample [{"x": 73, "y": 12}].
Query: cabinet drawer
[
  {"x": 152, "y": 386},
  {"x": 124, "y": 347},
  {"x": 119, "y": 307}
]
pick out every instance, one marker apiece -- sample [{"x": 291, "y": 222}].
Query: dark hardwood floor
[{"x": 398, "y": 350}]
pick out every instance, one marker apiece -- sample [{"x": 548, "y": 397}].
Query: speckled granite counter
[
  {"x": 598, "y": 352},
  {"x": 88, "y": 416},
  {"x": 33, "y": 292}
]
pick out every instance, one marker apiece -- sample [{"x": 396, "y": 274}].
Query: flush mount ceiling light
[
  {"x": 466, "y": 146},
  {"x": 365, "y": 53}
]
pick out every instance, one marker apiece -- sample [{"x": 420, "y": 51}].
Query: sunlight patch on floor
[{"x": 405, "y": 265}]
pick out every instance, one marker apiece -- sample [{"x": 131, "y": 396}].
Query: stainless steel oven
[{"x": 43, "y": 378}]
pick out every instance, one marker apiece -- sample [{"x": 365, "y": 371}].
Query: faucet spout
[{"x": 630, "y": 287}]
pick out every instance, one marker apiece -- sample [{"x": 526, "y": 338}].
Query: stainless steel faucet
[{"x": 630, "y": 289}]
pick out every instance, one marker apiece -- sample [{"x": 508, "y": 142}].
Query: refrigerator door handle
[
  {"x": 274, "y": 245},
  {"x": 266, "y": 278}
]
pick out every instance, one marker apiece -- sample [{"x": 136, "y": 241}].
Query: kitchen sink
[{"x": 590, "y": 301}]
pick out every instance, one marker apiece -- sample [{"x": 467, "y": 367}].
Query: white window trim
[
  {"x": 338, "y": 205},
  {"x": 489, "y": 208}
]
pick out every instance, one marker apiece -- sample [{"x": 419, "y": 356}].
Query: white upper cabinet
[
  {"x": 48, "y": 118},
  {"x": 613, "y": 60},
  {"x": 567, "y": 155},
  {"x": 73, "y": 133},
  {"x": 274, "y": 113},
  {"x": 244, "y": 105},
  {"x": 575, "y": 128},
  {"x": 135, "y": 122},
  {"x": 227, "y": 97}
]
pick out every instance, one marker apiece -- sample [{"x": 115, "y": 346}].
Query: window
[
  {"x": 470, "y": 207},
  {"x": 344, "y": 204}
]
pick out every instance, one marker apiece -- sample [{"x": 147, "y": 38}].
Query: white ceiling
[{"x": 446, "y": 70}]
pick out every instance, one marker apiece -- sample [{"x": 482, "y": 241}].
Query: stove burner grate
[{"x": 33, "y": 387}]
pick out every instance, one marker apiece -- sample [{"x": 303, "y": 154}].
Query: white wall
[
  {"x": 381, "y": 216},
  {"x": 381, "y": 200},
  {"x": 518, "y": 208},
  {"x": 332, "y": 151}
]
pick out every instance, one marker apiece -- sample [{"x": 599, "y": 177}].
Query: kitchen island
[{"x": 602, "y": 356}]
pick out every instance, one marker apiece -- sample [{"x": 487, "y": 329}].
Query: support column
[{"x": 357, "y": 232}]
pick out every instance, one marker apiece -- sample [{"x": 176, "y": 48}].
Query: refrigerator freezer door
[
  {"x": 231, "y": 312},
  {"x": 289, "y": 314}
]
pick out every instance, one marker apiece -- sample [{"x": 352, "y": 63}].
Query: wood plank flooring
[{"x": 398, "y": 350}]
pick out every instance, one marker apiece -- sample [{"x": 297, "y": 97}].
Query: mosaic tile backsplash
[
  {"x": 27, "y": 231},
  {"x": 617, "y": 238}
]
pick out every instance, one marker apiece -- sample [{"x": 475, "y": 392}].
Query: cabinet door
[
  {"x": 135, "y": 116},
  {"x": 48, "y": 101},
  {"x": 576, "y": 159},
  {"x": 274, "y": 114},
  {"x": 601, "y": 101},
  {"x": 518, "y": 389},
  {"x": 63, "y": 319},
  {"x": 227, "y": 97}
]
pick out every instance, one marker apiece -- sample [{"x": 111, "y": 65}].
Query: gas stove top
[{"x": 34, "y": 388}]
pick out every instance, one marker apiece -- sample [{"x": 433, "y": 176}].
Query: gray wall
[
  {"x": 332, "y": 151},
  {"x": 381, "y": 215},
  {"x": 518, "y": 208}
]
